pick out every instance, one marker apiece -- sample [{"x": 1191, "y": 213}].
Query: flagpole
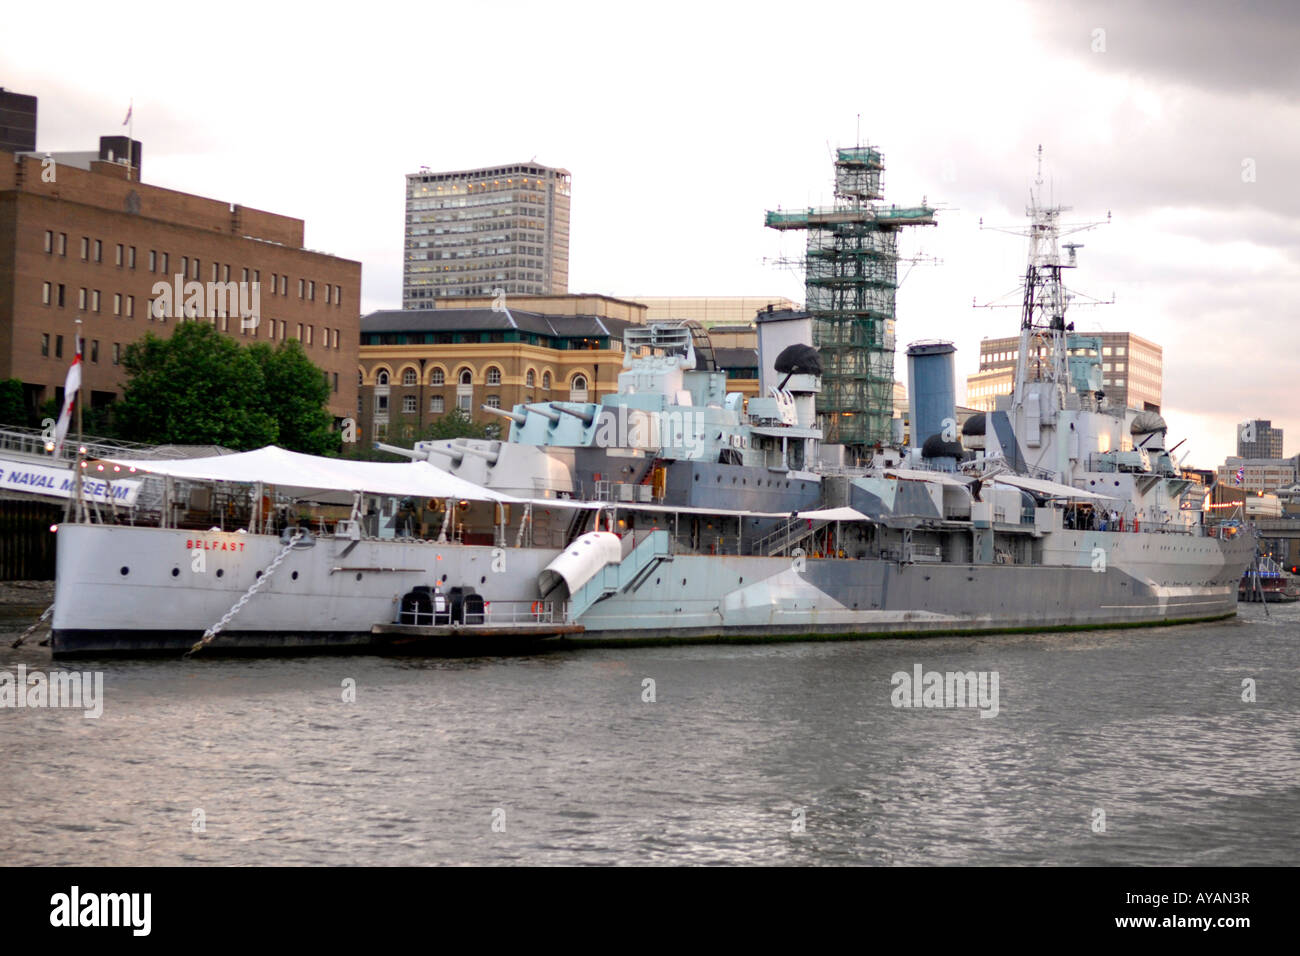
[
  {"x": 80, "y": 505},
  {"x": 130, "y": 138}
]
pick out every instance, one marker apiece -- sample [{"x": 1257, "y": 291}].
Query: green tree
[
  {"x": 295, "y": 395},
  {"x": 198, "y": 387},
  {"x": 12, "y": 409},
  {"x": 454, "y": 424}
]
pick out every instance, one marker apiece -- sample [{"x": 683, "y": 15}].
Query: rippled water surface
[{"x": 560, "y": 753}]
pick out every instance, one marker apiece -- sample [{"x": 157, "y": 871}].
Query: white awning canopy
[
  {"x": 291, "y": 470},
  {"x": 1052, "y": 489}
]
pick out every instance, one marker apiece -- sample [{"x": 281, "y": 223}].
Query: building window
[
  {"x": 546, "y": 381},
  {"x": 336, "y": 381},
  {"x": 94, "y": 351},
  {"x": 46, "y": 289},
  {"x": 311, "y": 290},
  {"x": 493, "y": 401},
  {"x": 94, "y": 301},
  {"x": 408, "y": 404},
  {"x": 381, "y": 403},
  {"x": 530, "y": 379},
  {"x": 117, "y": 303},
  {"x": 309, "y": 334},
  {"x": 195, "y": 273},
  {"x": 185, "y": 267},
  {"x": 85, "y": 248},
  {"x": 58, "y": 346},
  {"x": 336, "y": 338},
  {"x": 81, "y": 299},
  {"x": 284, "y": 285},
  {"x": 338, "y": 295},
  {"x": 130, "y": 307},
  {"x": 63, "y": 243},
  {"x": 437, "y": 377},
  {"x": 130, "y": 257},
  {"x": 302, "y": 283},
  {"x": 45, "y": 345},
  {"x": 437, "y": 405},
  {"x": 299, "y": 331},
  {"x": 494, "y": 376},
  {"x": 273, "y": 278},
  {"x": 381, "y": 378},
  {"x": 99, "y": 250},
  {"x": 327, "y": 294},
  {"x": 119, "y": 255},
  {"x": 463, "y": 402},
  {"x": 408, "y": 377},
  {"x": 49, "y": 240},
  {"x": 153, "y": 260},
  {"x": 117, "y": 353},
  {"x": 284, "y": 329},
  {"x": 466, "y": 378},
  {"x": 166, "y": 262},
  {"x": 61, "y": 296},
  {"x": 578, "y": 389}
]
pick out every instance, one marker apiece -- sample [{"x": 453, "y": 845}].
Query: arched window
[
  {"x": 466, "y": 377},
  {"x": 437, "y": 378},
  {"x": 530, "y": 379},
  {"x": 465, "y": 391},
  {"x": 381, "y": 378},
  {"x": 546, "y": 381},
  {"x": 578, "y": 388},
  {"x": 494, "y": 376},
  {"x": 408, "y": 377}
]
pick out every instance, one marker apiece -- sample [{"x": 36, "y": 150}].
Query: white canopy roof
[
  {"x": 290, "y": 469},
  {"x": 1051, "y": 489}
]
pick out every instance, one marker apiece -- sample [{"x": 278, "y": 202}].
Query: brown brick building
[{"x": 84, "y": 239}]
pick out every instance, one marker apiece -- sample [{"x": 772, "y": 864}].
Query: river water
[{"x": 1108, "y": 747}]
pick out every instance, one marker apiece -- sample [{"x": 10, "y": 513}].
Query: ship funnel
[{"x": 931, "y": 392}]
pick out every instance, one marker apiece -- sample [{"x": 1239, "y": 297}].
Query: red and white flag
[{"x": 70, "y": 388}]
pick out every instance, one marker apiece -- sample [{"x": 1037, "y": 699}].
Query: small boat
[{"x": 1266, "y": 581}]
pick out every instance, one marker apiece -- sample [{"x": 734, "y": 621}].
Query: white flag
[{"x": 70, "y": 388}]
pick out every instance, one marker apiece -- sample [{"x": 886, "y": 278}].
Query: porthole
[
  {"x": 358, "y": 575},
  {"x": 125, "y": 570},
  {"x": 258, "y": 574},
  {"x": 656, "y": 581},
  {"x": 683, "y": 582},
  {"x": 742, "y": 580},
  {"x": 697, "y": 477},
  {"x": 717, "y": 478},
  {"x": 176, "y": 572},
  {"x": 483, "y": 580},
  {"x": 294, "y": 575},
  {"x": 221, "y": 572}
]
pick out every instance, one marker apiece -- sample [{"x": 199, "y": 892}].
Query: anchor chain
[
  {"x": 39, "y": 621},
  {"x": 210, "y": 634}
]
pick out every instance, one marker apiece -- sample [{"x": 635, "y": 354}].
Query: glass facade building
[{"x": 502, "y": 230}]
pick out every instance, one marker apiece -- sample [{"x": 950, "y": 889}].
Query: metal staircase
[{"x": 628, "y": 574}]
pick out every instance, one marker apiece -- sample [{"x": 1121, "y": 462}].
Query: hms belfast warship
[{"x": 674, "y": 510}]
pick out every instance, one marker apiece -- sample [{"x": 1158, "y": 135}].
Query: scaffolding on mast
[{"x": 850, "y": 279}]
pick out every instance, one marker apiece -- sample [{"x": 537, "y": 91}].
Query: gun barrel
[
  {"x": 515, "y": 417},
  {"x": 584, "y": 413},
  {"x": 404, "y": 452},
  {"x": 544, "y": 412}
]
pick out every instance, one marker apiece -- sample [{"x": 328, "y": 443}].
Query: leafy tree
[
  {"x": 454, "y": 424},
  {"x": 295, "y": 395},
  {"x": 12, "y": 409},
  {"x": 198, "y": 387}
]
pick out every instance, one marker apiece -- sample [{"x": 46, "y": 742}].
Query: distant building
[
  {"x": 491, "y": 231},
  {"x": 1259, "y": 439},
  {"x": 418, "y": 364},
  {"x": 17, "y": 121},
  {"x": 1132, "y": 371},
  {"x": 1259, "y": 474},
  {"x": 711, "y": 310},
  {"x": 85, "y": 239}
]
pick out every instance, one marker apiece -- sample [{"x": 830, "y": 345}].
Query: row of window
[
  {"x": 88, "y": 300},
  {"x": 438, "y": 404},
  {"x": 466, "y": 378},
  {"x": 91, "y": 354},
  {"x": 191, "y": 268}
]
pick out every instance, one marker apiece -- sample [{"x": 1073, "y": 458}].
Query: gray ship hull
[{"x": 144, "y": 590}]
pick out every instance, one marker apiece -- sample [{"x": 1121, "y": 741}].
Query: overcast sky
[{"x": 682, "y": 123}]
